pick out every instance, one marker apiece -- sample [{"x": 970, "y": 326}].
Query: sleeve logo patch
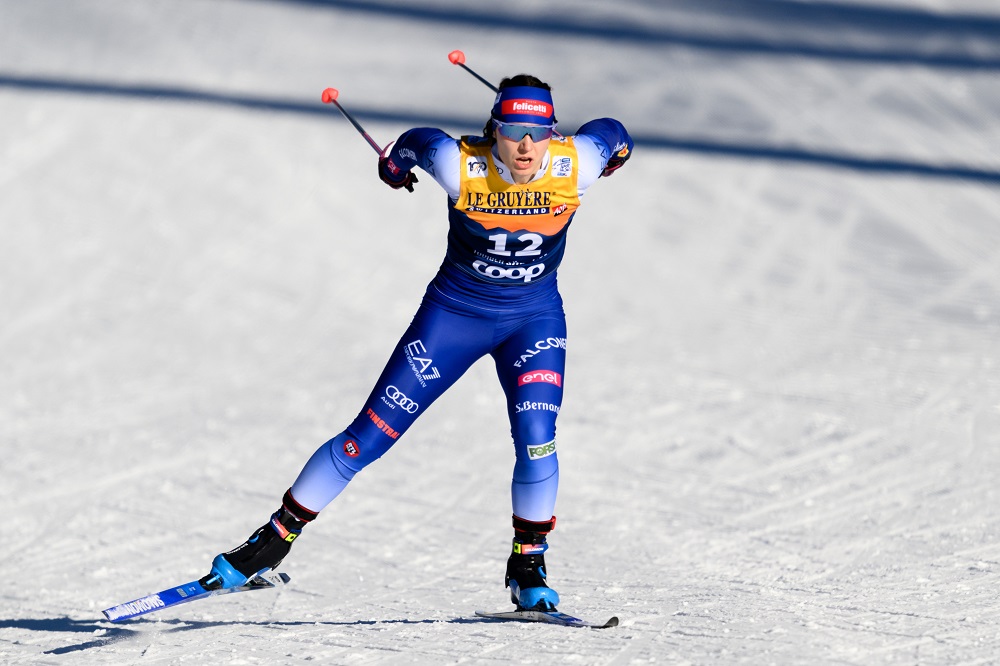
[
  {"x": 542, "y": 450},
  {"x": 475, "y": 167}
]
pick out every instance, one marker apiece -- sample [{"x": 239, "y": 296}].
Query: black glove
[
  {"x": 394, "y": 177},
  {"x": 616, "y": 162}
]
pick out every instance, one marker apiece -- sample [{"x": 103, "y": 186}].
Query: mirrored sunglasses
[{"x": 517, "y": 132}]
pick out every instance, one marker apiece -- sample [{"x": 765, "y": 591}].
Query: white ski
[{"x": 551, "y": 617}]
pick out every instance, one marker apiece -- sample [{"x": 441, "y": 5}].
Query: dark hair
[{"x": 518, "y": 80}]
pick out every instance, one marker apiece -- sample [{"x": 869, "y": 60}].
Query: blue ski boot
[
  {"x": 526, "y": 574},
  {"x": 264, "y": 550}
]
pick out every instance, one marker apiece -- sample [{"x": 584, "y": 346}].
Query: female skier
[{"x": 512, "y": 195}]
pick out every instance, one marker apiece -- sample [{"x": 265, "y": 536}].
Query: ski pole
[
  {"x": 330, "y": 97},
  {"x": 458, "y": 58}
]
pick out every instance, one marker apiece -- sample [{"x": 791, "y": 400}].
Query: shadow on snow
[
  {"x": 106, "y": 633},
  {"x": 909, "y": 37},
  {"x": 885, "y": 165}
]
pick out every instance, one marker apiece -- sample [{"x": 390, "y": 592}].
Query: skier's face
[{"x": 523, "y": 157}]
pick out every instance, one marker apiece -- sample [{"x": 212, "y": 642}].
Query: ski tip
[
  {"x": 613, "y": 622},
  {"x": 329, "y": 95},
  {"x": 456, "y": 57}
]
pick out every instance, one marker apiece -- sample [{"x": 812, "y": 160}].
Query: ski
[
  {"x": 192, "y": 591},
  {"x": 551, "y": 617}
]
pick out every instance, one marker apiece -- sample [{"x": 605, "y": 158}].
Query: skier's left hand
[{"x": 616, "y": 162}]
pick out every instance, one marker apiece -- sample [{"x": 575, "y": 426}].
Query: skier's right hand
[{"x": 395, "y": 177}]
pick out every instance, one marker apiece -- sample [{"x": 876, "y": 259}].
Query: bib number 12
[{"x": 533, "y": 242}]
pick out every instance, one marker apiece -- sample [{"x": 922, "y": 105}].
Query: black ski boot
[
  {"x": 264, "y": 550},
  {"x": 526, "y": 567}
]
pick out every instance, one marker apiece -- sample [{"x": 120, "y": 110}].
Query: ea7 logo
[
  {"x": 546, "y": 376},
  {"x": 411, "y": 350},
  {"x": 542, "y": 450}
]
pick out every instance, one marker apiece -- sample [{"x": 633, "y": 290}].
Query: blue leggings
[{"x": 443, "y": 341}]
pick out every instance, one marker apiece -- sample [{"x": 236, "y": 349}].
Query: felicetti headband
[{"x": 524, "y": 104}]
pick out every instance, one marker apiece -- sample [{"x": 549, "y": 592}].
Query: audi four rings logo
[{"x": 400, "y": 399}]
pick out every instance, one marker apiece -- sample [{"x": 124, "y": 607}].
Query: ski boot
[
  {"x": 264, "y": 550},
  {"x": 526, "y": 567}
]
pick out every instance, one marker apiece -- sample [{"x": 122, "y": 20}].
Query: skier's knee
[
  {"x": 534, "y": 430},
  {"x": 345, "y": 452}
]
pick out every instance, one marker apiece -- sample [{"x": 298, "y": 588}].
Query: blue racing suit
[{"x": 495, "y": 293}]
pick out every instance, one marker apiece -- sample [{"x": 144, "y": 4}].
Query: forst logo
[
  {"x": 542, "y": 450},
  {"x": 546, "y": 376},
  {"x": 351, "y": 449}
]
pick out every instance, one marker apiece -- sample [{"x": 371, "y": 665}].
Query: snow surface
[{"x": 781, "y": 432}]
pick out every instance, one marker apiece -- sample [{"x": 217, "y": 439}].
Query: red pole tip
[
  {"x": 329, "y": 95},
  {"x": 456, "y": 57}
]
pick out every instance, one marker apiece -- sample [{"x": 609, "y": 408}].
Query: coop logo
[
  {"x": 543, "y": 376},
  {"x": 419, "y": 363},
  {"x": 530, "y": 107},
  {"x": 562, "y": 167},
  {"x": 542, "y": 450},
  {"x": 393, "y": 397},
  {"x": 476, "y": 167},
  {"x": 538, "y": 348},
  {"x": 351, "y": 449},
  {"x": 516, "y": 273}
]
